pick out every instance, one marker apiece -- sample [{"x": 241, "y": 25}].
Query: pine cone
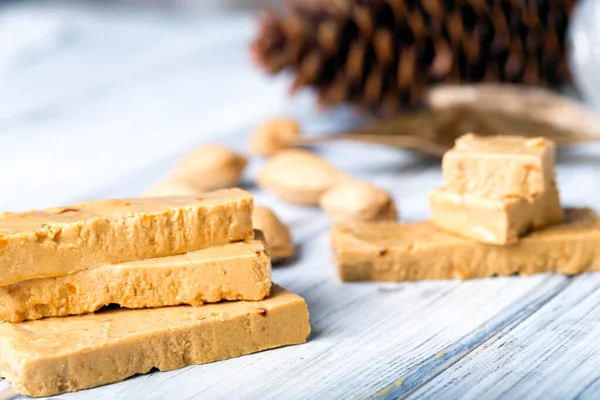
[{"x": 383, "y": 54}]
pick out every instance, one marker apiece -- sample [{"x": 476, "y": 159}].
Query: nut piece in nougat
[
  {"x": 234, "y": 271},
  {"x": 500, "y": 221},
  {"x": 353, "y": 200},
  {"x": 57, "y": 355},
  {"x": 497, "y": 166},
  {"x": 62, "y": 240},
  {"x": 386, "y": 251}
]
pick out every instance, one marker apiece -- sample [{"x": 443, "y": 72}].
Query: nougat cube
[
  {"x": 495, "y": 221},
  {"x": 498, "y": 166}
]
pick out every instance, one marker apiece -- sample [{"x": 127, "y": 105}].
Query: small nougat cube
[
  {"x": 498, "y": 166},
  {"x": 500, "y": 221}
]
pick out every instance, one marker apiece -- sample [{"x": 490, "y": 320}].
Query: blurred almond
[
  {"x": 210, "y": 167},
  {"x": 298, "y": 176},
  {"x": 273, "y": 136},
  {"x": 277, "y": 235},
  {"x": 169, "y": 188},
  {"x": 354, "y": 200}
]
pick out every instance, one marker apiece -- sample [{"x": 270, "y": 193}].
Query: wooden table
[{"x": 96, "y": 103}]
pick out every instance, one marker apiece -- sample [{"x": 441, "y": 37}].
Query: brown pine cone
[{"x": 382, "y": 55}]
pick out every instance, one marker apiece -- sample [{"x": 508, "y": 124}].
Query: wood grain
[
  {"x": 96, "y": 104},
  {"x": 549, "y": 355}
]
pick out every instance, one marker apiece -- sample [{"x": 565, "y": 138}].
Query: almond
[
  {"x": 273, "y": 136},
  {"x": 354, "y": 200},
  {"x": 298, "y": 176},
  {"x": 169, "y": 188},
  {"x": 210, "y": 167},
  {"x": 277, "y": 235}
]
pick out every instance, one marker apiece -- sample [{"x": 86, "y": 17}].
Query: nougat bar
[
  {"x": 235, "y": 271},
  {"x": 388, "y": 251},
  {"x": 56, "y": 355},
  {"x": 59, "y": 241},
  {"x": 500, "y": 221},
  {"x": 496, "y": 166}
]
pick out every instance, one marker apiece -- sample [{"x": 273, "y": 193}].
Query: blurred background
[
  {"x": 100, "y": 98},
  {"x": 200, "y": 4},
  {"x": 173, "y": 4}
]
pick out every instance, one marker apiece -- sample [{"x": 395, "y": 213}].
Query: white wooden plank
[
  {"x": 6, "y": 393},
  {"x": 89, "y": 142},
  {"x": 552, "y": 354},
  {"x": 77, "y": 42}
]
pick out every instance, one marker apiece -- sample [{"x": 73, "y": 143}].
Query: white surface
[{"x": 95, "y": 104}]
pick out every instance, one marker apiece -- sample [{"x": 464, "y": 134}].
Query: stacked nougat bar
[
  {"x": 144, "y": 255},
  {"x": 499, "y": 214},
  {"x": 497, "y": 188}
]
